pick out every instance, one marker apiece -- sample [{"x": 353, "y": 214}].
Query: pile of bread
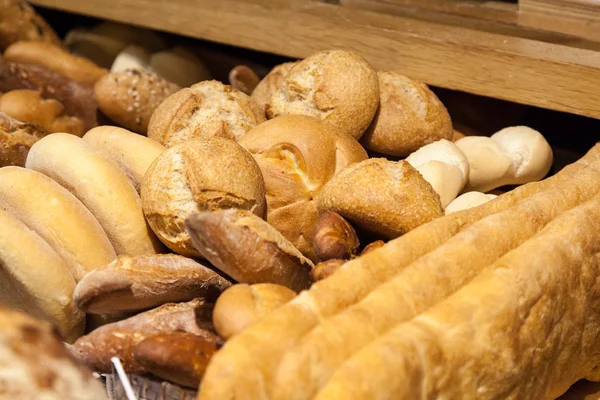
[{"x": 237, "y": 234}]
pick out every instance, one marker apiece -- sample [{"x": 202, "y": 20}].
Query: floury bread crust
[{"x": 271, "y": 84}]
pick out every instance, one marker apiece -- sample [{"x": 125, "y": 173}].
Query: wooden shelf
[{"x": 443, "y": 47}]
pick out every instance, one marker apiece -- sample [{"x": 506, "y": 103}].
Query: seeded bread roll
[
  {"x": 271, "y": 84},
  {"x": 16, "y": 138},
  {"x": 409, "y": 117},
  {"x": 199, "y": 175},
  {"x": 19, "y": 21},
  {"x": 297, "y": 155},
  {"x": 204, "y": 110},
  {"x": 338, "y": 86},
  {"x": 130, "y": 97}
]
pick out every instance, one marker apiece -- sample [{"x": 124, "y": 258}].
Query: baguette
[
  {"x": 58, "y": 217},
  {"x": 527, "y": 327},
  {"x": 100, "y": 185},
  {"x": 234, "y": 371},
  {"x": 307, "y": 367}
]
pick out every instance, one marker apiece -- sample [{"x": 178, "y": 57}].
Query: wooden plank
[{"x": 525, "y": 71}]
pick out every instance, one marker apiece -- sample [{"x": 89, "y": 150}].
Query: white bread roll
[
  {"x": 35, "y": 279},
  {"x": 468, "y": 200},
  {"x": 131, "y": 57},
  {"x": 58, "y": 217},
  {"x": 100, "y": 185},
  {"x": 180, "y": 66},
  {"x": 132, "y": 152}
]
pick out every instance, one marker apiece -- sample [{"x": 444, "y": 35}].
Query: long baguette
[
  {"x": 305, "y": 368},
  {"x": 252, "y": 356},
  {"x": 527, "y": 327}
]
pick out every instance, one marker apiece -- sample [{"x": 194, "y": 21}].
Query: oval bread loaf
[{"x": 100, "y": 185}]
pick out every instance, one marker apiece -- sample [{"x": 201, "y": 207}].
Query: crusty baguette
[
  {"x": 100, "y": 185},
  {"x": 132, "y": 152},
  {"x": 35, "y": 279},
  {"x": 58, "y": 217},
  {"x": 132, "y": 283},
  {"x": 234, "y": 371},
  {"x": 305, "y": 368},
  {"x": 526, "y": 328}
]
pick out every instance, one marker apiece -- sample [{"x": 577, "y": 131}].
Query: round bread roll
[
  {"x": 204, "y": 110},
  {"x": 100, "y": 185},
  {"x": 132, "y": 152},
  {"x": 242, "y": 305},
  {"x": 180, "y": 66},
  {"x": 384, "y": 197},
  {"x": 409, "y": 117},
  {"x": 199, "y": 175},
  {"x": 271, "y": 84},
  {"x": 58, "y": 217},
  {"x": 35, "y": 279},
  {"x": 16, "y": 138},
  {"x": 297, "y": 155},
  {"x": 338, "y": 86}
]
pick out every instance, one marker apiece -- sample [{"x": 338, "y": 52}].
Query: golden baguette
[
  {"x": 526, "y": 328},
  {"x": 252, "y": 356},
  {"x": 305, "y": 368}
]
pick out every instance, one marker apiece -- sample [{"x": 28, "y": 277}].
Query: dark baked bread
[{"x": 19, "y": 21}]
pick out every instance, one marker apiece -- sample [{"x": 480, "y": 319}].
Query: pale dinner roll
[
  {"x": 35, "y": 279},
  {"x": 131, "y": 57},
  {"x": 468, "y": 200},
  {"x": 199, "y": 175},
  {"x": 410, "y": 116},
  {"x": 100, "y": 185},
  {"x": 204, "y": 110},
  {"x": 58, "y": 217},
  {"x": 270, "y": 84},
  {"x": 384, "y": 197},
  {"x": 180, "y": 66},
  {"x": 297, "y": 155},
  {"x": 132, "y": 152},
  {"x": 338, "y": 86},
  {"x": 242, "y": 305}
]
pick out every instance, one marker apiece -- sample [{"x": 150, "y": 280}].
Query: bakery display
[
  {"x": 16, "y": 138},
  {"x": 19, "y": 21},
  {"x": 199, "y": 175}
]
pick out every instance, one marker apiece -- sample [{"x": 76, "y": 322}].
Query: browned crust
[
  {"x": 270, "y": 84},
  {"x": 16, "y": 138},
  {"x": 19, "y": 21}
]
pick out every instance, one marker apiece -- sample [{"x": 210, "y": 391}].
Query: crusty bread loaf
[
  {"x": 297, "y": 155},
  {"x": 58, "y": 217},
  {"x": 204, "y": 110},
  {"x": 199, "y": 175},
  {"x": 35, "y": 364},
  {"x": 19, "y": 21},
  {"x": 409, "y": 117},
  {"x": 337, "y": 86},
  {"x": 100, "y": 185},
  {"x": 56, "y": 59},
  {"x": 35, "y": 279},
  {"x": 16, "y": 138},
  {"x": 527, "y": 327},
  {"x": 130, "y": 97},
  {"x": 404, "y": 200},
  {"x": 270, "y": 84},
  {"x": 132, "y": 152},
  {"x": 29, "y": 106},
  {"x": 132, "y": 283},
  {"x": 242, "y": 305},
  {"x": 267, "y": 340},
  {"x": 248, "y": 249}
]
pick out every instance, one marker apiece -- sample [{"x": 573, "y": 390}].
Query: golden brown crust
[
  {"x": 16, "y": 138},
  {"x": 130, "y": 97},
  {"x": 337, "y": 86},
  {"x": 199, "y": 175},
  {"x": 409, "y": 116},
  {"x": 204, "y": 110},
  {"x": 334, "y": 237},
  {"x": 243, "y": 78},
  {"x": 270, "y": 84},
  {"x": 404, "y": 199},
  {"x": 19, "y": 21},
  {"x": 325, "y": 269}
]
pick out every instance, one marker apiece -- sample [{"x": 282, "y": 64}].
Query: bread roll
[
  {"x": 35, "y": 279},
  {"x": 271, "y": 84},
  {"x": 16, "y": 138},
  {"x": 468, "y": 200},
  {"x": 337, "y": 86},
  {"x": 243, "y": 78},
  {"x": 131, "y": 57},
  {"x": 19, "y": 21},
  {"x": 297, "y": 155},
  {"x": 29, "y": 106},
  {"x": 132, "y": 152},
  {"x": 324, "y": 269},
  {"x": 58, "y": 217},
  {"x": 204, "y": 110},
  {"x": 248, "y": 249},
  {"x": 56, "y": 59},
  {"x": 242, "y": 305},
  {"x": 200, "y": 175},
  {"x": 100, "y": 185},
  {"x": 34, "y": 363},
  {"x": 180, "y": 66},
  {"x": 130, "y": 97},
  {"x": 404, "y": 199},
  {"x": 141, "y": 282},
  {"x": 334, "y": 237}
]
